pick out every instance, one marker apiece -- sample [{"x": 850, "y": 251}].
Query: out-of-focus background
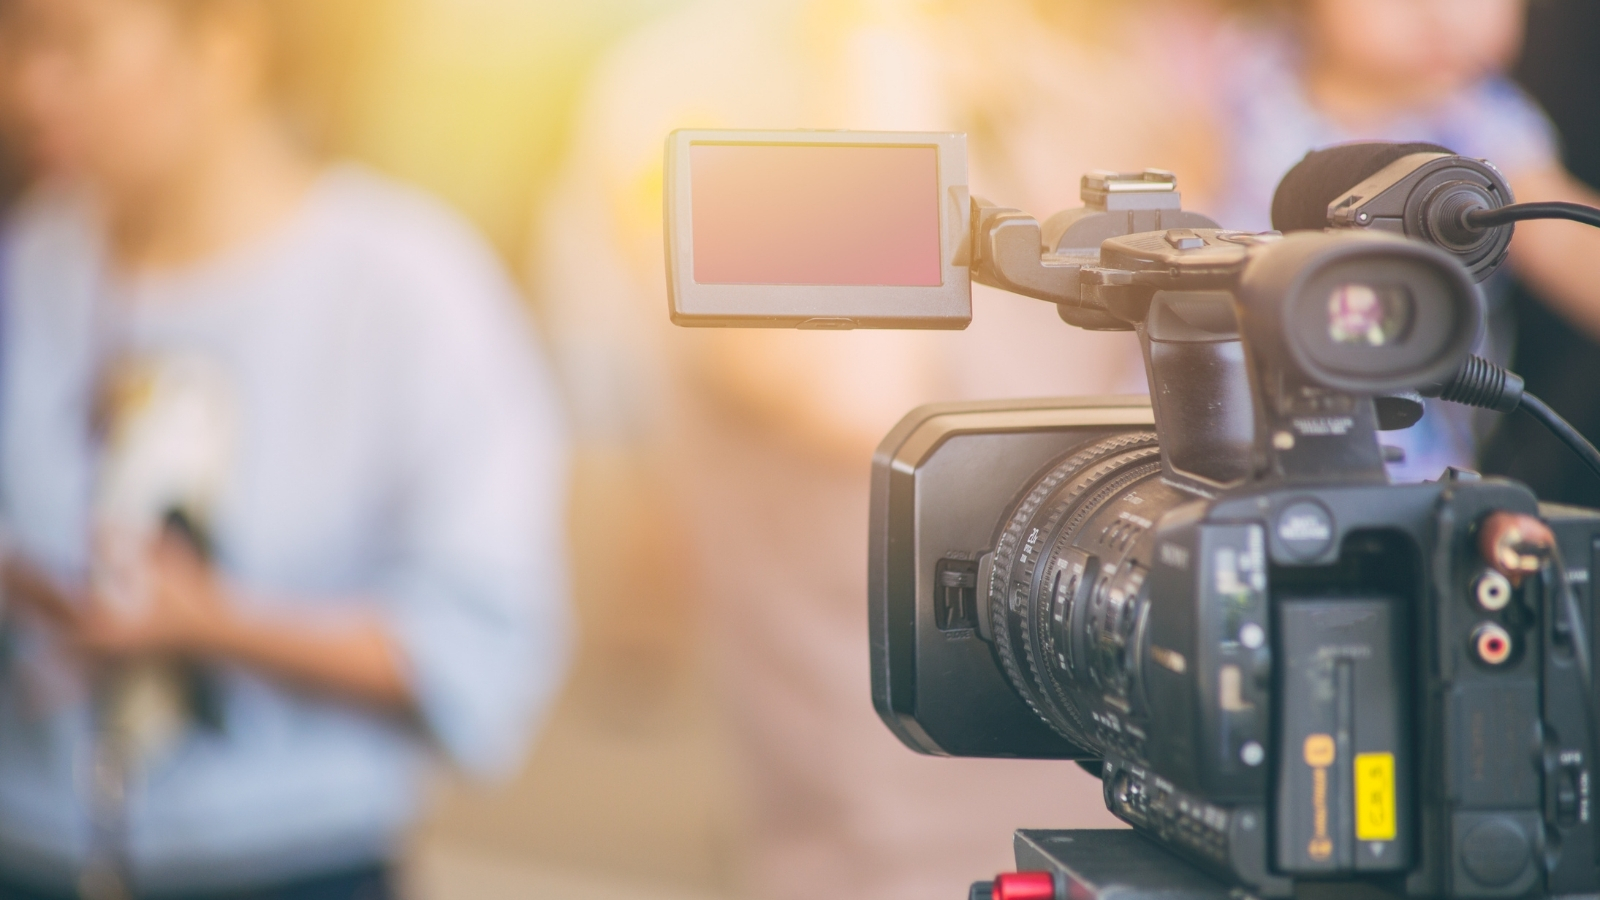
[
  {"x": 474, "y": 98},
  {"x": 623, "y": 796},
  {"x": 518, "y": 113}
]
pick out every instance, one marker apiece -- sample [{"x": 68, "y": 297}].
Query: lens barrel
[{"x": 1067, "y": 589}]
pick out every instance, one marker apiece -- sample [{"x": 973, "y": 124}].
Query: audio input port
[
  {"x": 1493, "y": 643},
  {"x": 1492, "y": 590}
]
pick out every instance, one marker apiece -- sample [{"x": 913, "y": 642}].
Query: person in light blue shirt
[{"x": 281, "y": 476}]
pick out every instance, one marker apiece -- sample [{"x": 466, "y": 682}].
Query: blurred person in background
[
  {"x": 281, "y": 473},
  {"x": 11, "y": 176},
  {"x": 1560, "y": 67},
  {"x": 1294, "y": 75},
  {"x": 765, "y": 438}
]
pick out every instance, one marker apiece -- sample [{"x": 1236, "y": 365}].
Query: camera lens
[
  {"x": 1068, "y": 591},
  {"x": 1369, "y": 315}
]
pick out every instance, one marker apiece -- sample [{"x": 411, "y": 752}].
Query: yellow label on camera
[{"x": 1375, "y": 797}]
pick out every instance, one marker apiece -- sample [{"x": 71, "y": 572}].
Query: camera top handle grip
[{"x": 1059, "y": 261}]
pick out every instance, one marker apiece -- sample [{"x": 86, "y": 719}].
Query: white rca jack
[{"x": 1492, "y": 591}]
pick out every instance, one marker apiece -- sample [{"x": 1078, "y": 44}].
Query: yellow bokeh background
[{"x": 473, "y": 100}]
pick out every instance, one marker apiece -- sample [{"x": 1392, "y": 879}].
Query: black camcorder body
[
  {"x": 1284, "y": 668},
  {"x": 1283, "y": 681}
]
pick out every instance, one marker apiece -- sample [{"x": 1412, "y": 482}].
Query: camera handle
[
  {"x": 1190, "y": 340},
  {"x": 1200, "y": 384},
  {"x": 1054, "y": 261}
]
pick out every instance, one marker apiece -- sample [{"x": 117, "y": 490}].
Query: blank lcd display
[{"x": 815, "y": 214}]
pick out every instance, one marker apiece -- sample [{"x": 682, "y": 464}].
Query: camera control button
[
  {"x": 1495, "y": 852},
  {"x": 1305, "y": 529},
  {"x": 1567, "y": 794},
  {"x": 1184, "y": 239}
]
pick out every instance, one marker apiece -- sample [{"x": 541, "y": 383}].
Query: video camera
[{"x": 1285, "y": 669}]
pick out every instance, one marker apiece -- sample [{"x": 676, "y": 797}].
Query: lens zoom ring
[
  {"x": 1033, "y": 621},
  {"x": 1018, "y": 536}
]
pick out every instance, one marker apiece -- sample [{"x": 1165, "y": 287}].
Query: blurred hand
[
  {"x": 31, "y": 592},
  {"x": 183, "y": 612}
]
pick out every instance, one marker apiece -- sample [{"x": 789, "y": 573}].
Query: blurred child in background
[
  {"x": 1302, "y": 74},
  {"x": 1560, "y": 68},
  {"x": 765, "y": 438},
  {"x": 11, "y": 176},
  {"x": 280, "y": 471}
]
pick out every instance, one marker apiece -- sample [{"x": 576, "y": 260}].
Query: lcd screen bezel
[{"x": 947, "y": 305}]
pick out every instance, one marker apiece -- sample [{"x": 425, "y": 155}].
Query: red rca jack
[
  {"x": 1492, "y": 591},
  {"x": 1492, "y": 643}
]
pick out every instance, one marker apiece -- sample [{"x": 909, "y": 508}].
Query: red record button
[{"x": 1025, "y": 886}]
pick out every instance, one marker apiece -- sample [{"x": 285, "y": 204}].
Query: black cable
[
  {"x": 1486, "y": 385},
  {"x": 1558, "y": 426},
  {"x": 1522, "y": 212}
]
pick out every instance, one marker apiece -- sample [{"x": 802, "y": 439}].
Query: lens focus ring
[{"x": 1021, "y": 586}]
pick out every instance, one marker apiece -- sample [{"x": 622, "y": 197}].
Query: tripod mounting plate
[{"x": 1113, "y": 864}]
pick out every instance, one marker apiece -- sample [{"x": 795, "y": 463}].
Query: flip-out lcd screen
[
  {"x": 816, "y": 214},
  {"x": 818, "y": 229}
]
